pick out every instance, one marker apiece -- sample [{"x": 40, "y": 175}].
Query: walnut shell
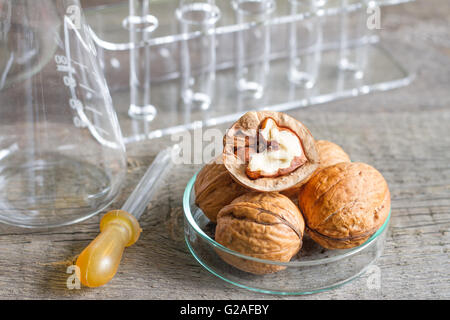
[
  {"x": 344, "y": 204},
  {"x": 329, "y": 154},
  {"x": 247, "y": 128},
  {"x": 214, "y": 188},
  {"x": 261, "y": 225}
]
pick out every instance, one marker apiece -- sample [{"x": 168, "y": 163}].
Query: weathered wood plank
[{"x": 404, "y": 133}]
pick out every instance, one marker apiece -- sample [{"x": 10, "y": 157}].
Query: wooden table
[{"x": 404, "y": 133}]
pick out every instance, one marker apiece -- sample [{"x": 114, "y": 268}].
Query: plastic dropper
[{"x": 99, "y": 261}]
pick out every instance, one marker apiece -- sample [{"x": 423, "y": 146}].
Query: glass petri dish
[{"x": 314, "y": 269}]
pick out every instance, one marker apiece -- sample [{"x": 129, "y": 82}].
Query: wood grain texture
[{"x": 404, "y": 133}]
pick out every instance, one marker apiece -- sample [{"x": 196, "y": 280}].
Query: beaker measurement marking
[
  {"x": 93, "y": 110},
  {"x": 65, "y": 68},
  {"x": 87, "y": 88},
  {"x": 76, "y": 104},
  {"x": 61, "y": 59},
  {"x": 79, "y": 64},
  {"x": 80, "y": 120},
  {"x": 101, "y": 130},
  {"x": 63, "y": 65},
  {"x": 69, "y": 81}
]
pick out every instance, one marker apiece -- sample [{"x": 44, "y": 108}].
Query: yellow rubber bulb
[{"x": 99, "y": 261}]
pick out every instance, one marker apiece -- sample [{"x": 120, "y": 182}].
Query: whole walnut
[
  {"x": 329, "y": 154},
  {"x": 262, "y": 225},
  {"x": 344, "y": 204},
  {"x": 214, "y": 188}
]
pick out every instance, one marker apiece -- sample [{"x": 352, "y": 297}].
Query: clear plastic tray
[
  {"x": 383, "y": 71},
  {"x": 107, "y": 20},
  {"x": 313, "y": 270}
]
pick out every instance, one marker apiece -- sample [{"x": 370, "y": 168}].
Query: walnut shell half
[
  {"x": 282, "y": 147},
  {"x": 344, "y": 204},
  {"x": 214, "y": 188},
  {"x": 261, "y": 225}
]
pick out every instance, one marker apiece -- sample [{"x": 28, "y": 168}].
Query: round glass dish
[{"x": 313, "y": 269}]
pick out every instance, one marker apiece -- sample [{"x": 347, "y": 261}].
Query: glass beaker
[
  {"x": 197, "y": 19},
  {"x": 252, "y": 50},
  {"x": 62, "y": 158}
]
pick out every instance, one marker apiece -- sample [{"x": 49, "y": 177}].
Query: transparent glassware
[
  {"x": 384, "y": 70},
  {"x": 197, "y": 19},
  {"x": 252, "y": 48},
  {"x": 141, "y": 24},
  {"x": 305, "y": 42},
  {"x": 353, "y": 26},
  {"x": 62, "y": 157},
  {"x": 312, "y": 270}
]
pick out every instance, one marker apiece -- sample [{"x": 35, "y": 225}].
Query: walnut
[
  {"x": 344, "y": 204},
  {"x": 329, "y": 154},
  {"x": 269, "y": 151},
  {"x": 214, "y": 188},
  {"x": 262, "y": 225}
]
